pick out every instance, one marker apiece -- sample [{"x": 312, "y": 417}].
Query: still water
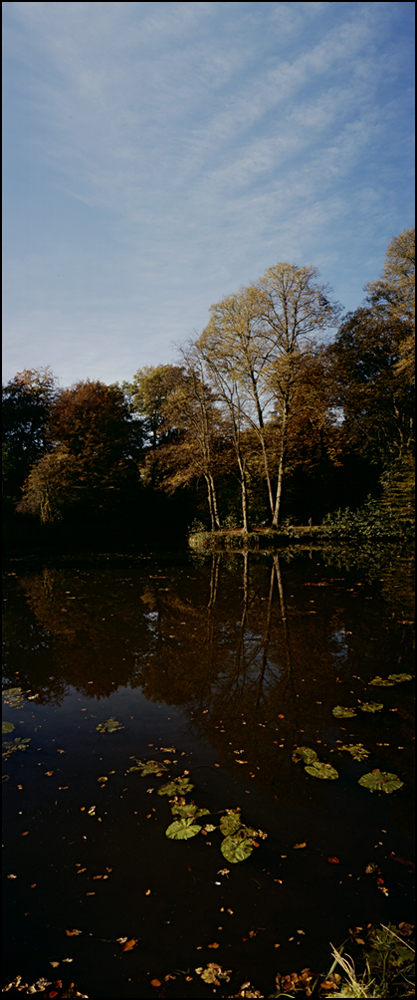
[{"x": 220, "y": 666}]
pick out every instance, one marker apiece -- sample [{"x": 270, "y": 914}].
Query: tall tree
[
  {"x": 27, "y": 400},
  {"x": 89, "y": 437},
  {"x": 255, "y": 347}
]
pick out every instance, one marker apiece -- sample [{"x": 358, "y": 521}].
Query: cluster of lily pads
[
  {"x": 344, "y": 712},
  {"x": 376, "y": 780},
  {"x": 238, "y": 839}
]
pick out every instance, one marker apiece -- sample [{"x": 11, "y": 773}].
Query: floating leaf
[
  {"x": 7, "y": 727},
  {"x": 180, "y": 786},
  {"x": 182, "y": 829},
  {"x": 17, "y": 744},
  {"x": 297, "y": 847},
  {"x": 371, "y": 706},
  {"x": 149, "y": 767},
  {"x": 321, "y": 770},
  {"x": 382, "y": 682},
  {"x": 307, "y": 754},
  {"x": 13, "y": 697},
  {"x": 189, "y": 811},
  {"x": 231, "y": 822},
  {"x": 380, "y": 781},
  {"x": 214, "y": 973},
  {"x": 357, "y": 751},
  {"x": 130, "y": 944},
  {"x": 109, "y": 726},
  {"x": 399, "y": 678},
  {"x": 340, "y": 712},
  {"x": 73, "y": 933},
  {"x": 236, "y": 848}
]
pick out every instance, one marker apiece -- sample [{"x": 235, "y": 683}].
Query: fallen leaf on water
[
  {"x": 60, "y": 751},
  {"x": 155, "y": 983},
  {"x": 148, "y": 892},
  {"x": 67, "y": 959},
  {"x": 224, "y": 871},
  {"x": 297, "y": 847},
  {"x": 334, "y": 861},
  {"x": 73, "y": 933},
  {"x": 49, "y": 774},
  {"x": 252, "y": 934},
  {"x": 25, "y": 833},
  {"x": 12, "y": 876},
  {"x": 91, "y": 811},
  {"x": 130, "y": 944},
  {"x": 54, "y": 964},
  {"x": 97, "y": 876},
  {"x": 405, "y": 929},
  {"x": 81, "y": 870},
  {"x": 214, "y": 945},
  {"x": 121, "y": 940}
]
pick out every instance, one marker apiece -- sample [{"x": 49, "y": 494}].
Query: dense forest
[{"x": 282, "y": 412}]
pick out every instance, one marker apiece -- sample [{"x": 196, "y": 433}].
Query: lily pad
[
  {"x": 179, "y": 786},
  {"x": 13, "y": 697},
  {"x": 109, "y": 726},
  {"x": 17, "y": 744},
  {"x": 371, "y": 706},
  {"x": 149, "y": 767},
  {"x": 321, "y": 770},
  {"x": 357, "y": 751},
  {"x": 399, "y": 678},
  {"x": 307, "y": 754},
  {"x": 182, "y": 829},
  {"x": 380, "y": 781},
  {"x": 340, "y": 712},
  {"x": 189, "y": 810},
  {"x": 7, "y": 727},
  {"x": 236, "y": 848},
  {"x": 231, "y": 822},
  {"x": 382, "y": 682}
]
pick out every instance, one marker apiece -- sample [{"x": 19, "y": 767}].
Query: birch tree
[{"x": 255, "y": 346}]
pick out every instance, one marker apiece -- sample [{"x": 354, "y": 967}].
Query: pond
[{"x": 218, "y": 668}]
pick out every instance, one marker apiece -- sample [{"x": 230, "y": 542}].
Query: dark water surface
[{"x": 222, "y": 665}]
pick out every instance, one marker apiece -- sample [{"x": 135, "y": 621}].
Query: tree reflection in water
[{"x": 243, "y": 643}]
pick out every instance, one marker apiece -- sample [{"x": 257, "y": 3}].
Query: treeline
[{"x": 280, "y": 411}]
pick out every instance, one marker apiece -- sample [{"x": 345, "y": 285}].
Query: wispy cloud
[{"x": 201, "y": 142}]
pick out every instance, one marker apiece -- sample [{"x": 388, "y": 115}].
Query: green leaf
[
  {"x": 307, "y": 754},
  {"x": 231, "y": 822},
  {"x": 236, "y": 848},
  {"x": 149, "y": 767},
  {"x": 380, "y": 781},
  {"x": 109, "y": 726},
  {"x": 182, "y": 829},
  {"x": 399, "y": 678},
  {"x": 382, "y": 682},
  {"x": 7, "y": 727},
  {"x": 371, "y": 706},
  {"x": 180, "y": 786},
  {"x": 343, "y": 713},
  {"x": 188, "y": 811},
  {"x": 17, "y": 744},
  {"x": 13, "y": 696},
  {"x": 321, "y": 770},
  {"x": 357, "y": 751}
]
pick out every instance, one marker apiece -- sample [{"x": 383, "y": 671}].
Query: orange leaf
[
  {"x": 334, "y": 861},
  {"x": 155, "y": 982},
  {"x": 25, "y": 833},
  {"x": 214, "y": 945},
  {"x": 73, "y": 933},
  {"x": 130, "y": 944},
  {"x": 297, "y": 847}
]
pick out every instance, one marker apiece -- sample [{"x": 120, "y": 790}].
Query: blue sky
[{"x": 158, "y": 156}]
